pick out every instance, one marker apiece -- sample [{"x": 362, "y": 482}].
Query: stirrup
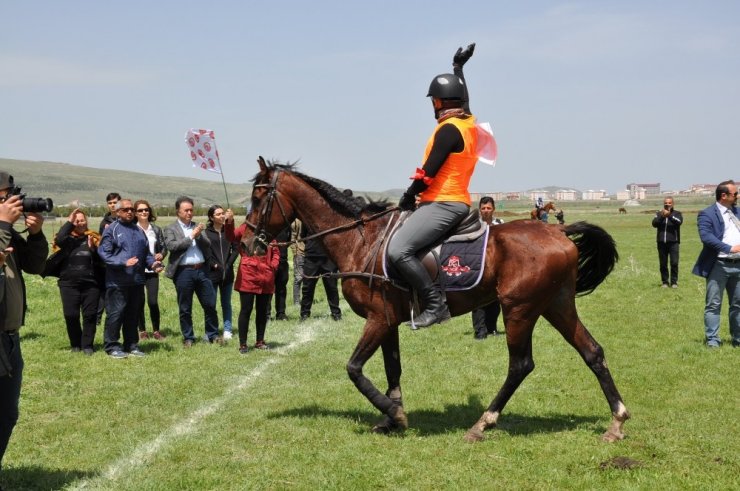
[{"x": 438, "y": 317}]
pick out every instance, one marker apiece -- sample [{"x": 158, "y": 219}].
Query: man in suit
[
  {"x": 719, "y": 261},
  {"x": 188, "y": 247},
  {"x": 485, "y": 318}
]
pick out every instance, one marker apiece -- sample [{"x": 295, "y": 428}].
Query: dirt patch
[{"x": 620, "y": 463}]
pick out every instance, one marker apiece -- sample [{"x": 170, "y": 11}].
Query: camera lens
[{"x": 38, "y": 205}]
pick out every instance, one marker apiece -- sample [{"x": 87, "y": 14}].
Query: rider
[{"x": 442, "y": 186}]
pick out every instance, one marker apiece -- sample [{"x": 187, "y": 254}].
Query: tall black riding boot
[{"x": 436, "y": 310}]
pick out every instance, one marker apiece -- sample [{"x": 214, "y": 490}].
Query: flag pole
[{"x": 223, "y": 181}]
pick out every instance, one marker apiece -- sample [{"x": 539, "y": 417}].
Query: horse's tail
[{"x": 597, "y": 255}]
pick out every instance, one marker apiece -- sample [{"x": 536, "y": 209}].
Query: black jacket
[{"x": 669, "y": 228}]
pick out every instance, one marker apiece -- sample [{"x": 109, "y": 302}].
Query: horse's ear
[{"x": 262, "y": 163}]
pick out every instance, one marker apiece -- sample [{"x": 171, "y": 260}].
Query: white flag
[
  {"x": 487, "y": 148},
  {"x": 202, "y": 146}
]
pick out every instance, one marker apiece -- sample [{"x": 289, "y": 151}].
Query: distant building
[
  {"x": 539, "y": 193},
  {"x": 650, "y": 189},
  {"x": 566, "y": 195},
  {"x": 623, "y": 195},
  {"x": 703, "y": 189},
  {"x": 592, "y": 195}
]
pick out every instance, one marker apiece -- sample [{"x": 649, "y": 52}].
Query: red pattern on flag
[{"x": 203, "y": 152}]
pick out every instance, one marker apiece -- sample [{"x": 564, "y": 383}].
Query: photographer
[
  {"x": 668, "y": 222},
  {"x": 18, "y": 254}
]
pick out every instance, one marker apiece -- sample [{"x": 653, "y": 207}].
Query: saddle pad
[{"x": 462, "y": 263}]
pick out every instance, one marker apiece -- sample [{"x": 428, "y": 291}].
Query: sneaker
[
  {"x": 243, "y": 349},
  {"x": 227, "y": 335},
  {"x": 88, "y": 351},
  {"x": 136, "y": 352},
  {"x": 118, "y": 354},
  {"x": 664, "y": 285},
  {"x": 261, "y": 345},
  {"x": 158, "y": 336},
  {"x": 143, "y": 335},
  {"x": 674, "y": 286}
]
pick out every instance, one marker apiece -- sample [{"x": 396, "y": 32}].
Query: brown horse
[
  {"x": 623, "y": 211},
  {"x": 572, "y": 259},
  {"x": 536, "y": 214}
]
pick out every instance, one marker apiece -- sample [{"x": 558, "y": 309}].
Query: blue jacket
[
  {"x": 122, "y": 241},
  {"x": 711, "y": 229}
]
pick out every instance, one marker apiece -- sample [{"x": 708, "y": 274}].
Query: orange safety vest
[{"x": 452, "y": 180}]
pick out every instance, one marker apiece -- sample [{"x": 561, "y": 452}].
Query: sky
[{"x": 586, "y": 95}]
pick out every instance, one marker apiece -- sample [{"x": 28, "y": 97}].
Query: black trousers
[
  {"x": 312, "y": 267},
  {"x": 485, "y": 319},
  {"x": 248, "y": 301},
  {"x": 668, "y": 250},
  {"x": 80, "y": 298},
  {"x": 152, "y": 300},
  {"x": 282, "y": 275}
]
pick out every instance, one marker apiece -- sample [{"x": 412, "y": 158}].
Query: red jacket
[{"x": 256, "y": 274}]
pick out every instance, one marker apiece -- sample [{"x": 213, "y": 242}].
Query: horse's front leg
[
  {"x": 375, "y": 334},
  {"x": 392, "y": 362}
]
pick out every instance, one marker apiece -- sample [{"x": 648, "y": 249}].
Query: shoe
[
  {"x": 304, "y": 317},
  {"x": 137, "y": 352},
  {"x": 261, "y": 345},
  {"x": 75, "y": 349},
  {"x": 494, "y": 333},
  {"x": 227, "y": 335},
  {"x": 218, "y": 340},
  {"x": 143, "y": 335},
  {"x": 674, "y": 286},
  {"x": 336, "y": 317},
  {"x": 88, "y": 351},
  {"x": 158, "y": 336},
  {"x": 281, "y": 317},
  {"x": 188, "y": 343},
  {"x": 481, "y": 337},
  {"x": 664, "y": 285},
  {"x": 243, "y": 349},
  {"x": 118, "y": 354}
]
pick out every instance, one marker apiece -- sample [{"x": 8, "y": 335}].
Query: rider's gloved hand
[
  {"x": 408, "y": 202},
  {"x": 463, "y": 55}
]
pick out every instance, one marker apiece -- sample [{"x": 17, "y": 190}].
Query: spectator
[
  {"x": 719, "y": 261},
  {"x": 221, "y": 257},
  {"x": 188, "y": 247},
  {"x": 317, "y": 263},
  {"x": 81, "y": 279},
  {"x": 298, "y": 258},
  {"x": 145, "y": 219},
  {"x": 485, "y": 318},
  {"x": 255, "y": 282},
  {"x": 125, "y": 251},
  {"x": 18, "y": 255},
  {"x": 668, "y": 224},
  {"x": 560, "y": 216},
  {"x": 282, "y": 275},
  {"x": 110, "y": 216}
]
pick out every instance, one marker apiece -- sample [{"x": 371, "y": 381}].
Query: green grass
[{"x": 290, "y": 418}]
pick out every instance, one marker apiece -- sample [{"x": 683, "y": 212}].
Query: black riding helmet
[{"x": 447, "y": 86}]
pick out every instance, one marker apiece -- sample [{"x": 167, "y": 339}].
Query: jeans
[
  {"x": 298, "y": 261},
  {"x": 152, "y": 300},
  {"x": 122, "y": 308},
  {"x": 666, "y": 250},
  {"x": 223, "y": 290},
  {"x": 10, "y": 389},
  {"x": 189, "y": 281},
  {"x": 723, "y": 277}
]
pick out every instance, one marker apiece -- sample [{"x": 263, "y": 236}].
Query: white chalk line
[{"x": 144, "y": 452}]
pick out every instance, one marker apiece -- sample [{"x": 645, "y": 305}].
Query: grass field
[{"x": 289, "y": 418}]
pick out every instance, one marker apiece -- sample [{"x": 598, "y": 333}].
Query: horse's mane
[{"x": 346, "y": 205}]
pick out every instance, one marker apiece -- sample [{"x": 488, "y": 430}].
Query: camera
[
  {"x": 666, "y": 207},
  {"x": 33, "y": 205}
]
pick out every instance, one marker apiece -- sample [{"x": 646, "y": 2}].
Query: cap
[{"x": 6, "y": 180}]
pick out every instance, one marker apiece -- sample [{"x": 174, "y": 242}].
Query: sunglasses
[
  {"x": 143, "y": 210},
  {"x": 126, "y": 210}
]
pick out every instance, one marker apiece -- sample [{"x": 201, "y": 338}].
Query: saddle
[{"x": 459, "y": 255}]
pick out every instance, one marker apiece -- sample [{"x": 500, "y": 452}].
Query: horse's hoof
[
  {"x": 611, "y": 436},
  {"x": 399, "y": 418},
  {"x": 385, "y": 427},
  {"x": 473, "y": 436}
]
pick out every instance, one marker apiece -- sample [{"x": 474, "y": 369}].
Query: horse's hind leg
[
  {"x": 566, "y": 321},
  {"x": 521, "y": 364}
]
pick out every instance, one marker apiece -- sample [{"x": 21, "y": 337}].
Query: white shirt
[
  {"x": 193, "y": 255},
  {"x": 732, "y": 233}
]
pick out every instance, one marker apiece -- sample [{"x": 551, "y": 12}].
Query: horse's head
[{"x": 269, "y": 214}]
